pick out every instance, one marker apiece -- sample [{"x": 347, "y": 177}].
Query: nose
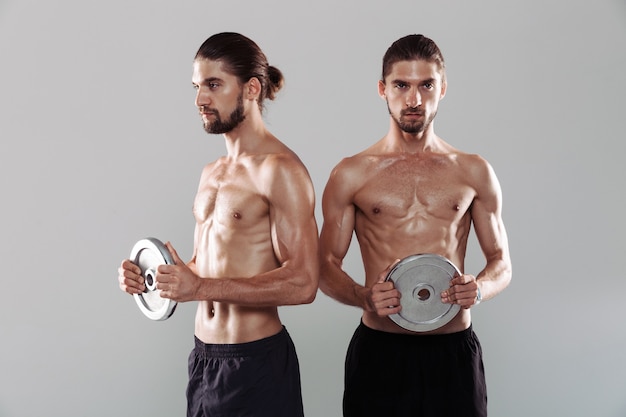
[
  {"x": 202, "y": 97},
  {"x": 414, "y": 99}
]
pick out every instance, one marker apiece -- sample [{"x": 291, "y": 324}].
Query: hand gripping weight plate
[
  {"x": 148, "y": 254},
  {"x": 421, "y": 279}
]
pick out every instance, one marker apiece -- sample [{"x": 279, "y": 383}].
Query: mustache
[
  {"x": 414, "y": 110},
  {"x": 206, "y": 109}
]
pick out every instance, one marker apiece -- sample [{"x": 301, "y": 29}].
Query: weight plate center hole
[
  {"x": 150, "y": 280},
  {"x": 423, "y": 293}
]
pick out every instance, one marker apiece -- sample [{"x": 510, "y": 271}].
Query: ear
[
  {"x": 381, "y": 89},
  {"x": 444, "y": 88},
  {"x": 252, "y": 89}
]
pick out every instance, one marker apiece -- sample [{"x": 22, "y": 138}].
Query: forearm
[
  {"x": 495, "y": 277},
  {"x": 282, "y": 286},
  {"x": 337, "y": 284}
]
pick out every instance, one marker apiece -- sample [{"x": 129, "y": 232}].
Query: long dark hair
[{"x": 243, "y": 58}]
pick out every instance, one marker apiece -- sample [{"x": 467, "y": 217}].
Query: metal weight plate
[
  {"x": 421, "y": 279},
  {"x": 148, "y": 254}
]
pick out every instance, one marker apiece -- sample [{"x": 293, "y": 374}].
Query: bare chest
[
  {"x": 229, "y": 199},
  {"x": 415, "y": 191}
]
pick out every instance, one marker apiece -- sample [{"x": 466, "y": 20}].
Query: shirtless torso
[
  {"x": 255, "y": 240},
  {"x": 250, "y": 214},
  {"x": 255, "y": 243},
  {"x": 410, "y": 203},
  {"x": 411, "y": 193}
]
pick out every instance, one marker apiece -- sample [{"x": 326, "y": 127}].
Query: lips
[
  {"x": 204, "y": 110},
  {"x": 207, "y": 113}
]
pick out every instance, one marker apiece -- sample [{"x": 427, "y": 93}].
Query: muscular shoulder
[
  {"x": 283, "y": 164},
  {"x": 353, "y": 170},
  {"x": 477, "y": 167},
  {"x": 480, "y": 175},
  {"x": 283, "y": 172}
]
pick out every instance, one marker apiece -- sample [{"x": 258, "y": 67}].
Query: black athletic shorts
[
  {"x": 395, "y": 375},
  {"x": 255, "y": 379}
]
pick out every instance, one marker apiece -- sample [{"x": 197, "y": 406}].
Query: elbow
[
  {"x": 501, "y": 269},
  {"x": 307, "y": 290},
  {"x": 506, "y": 274},
  {"x": 306, "y": 294},
  {"x": 509, "y": 275},
  {"x": 309, "y": 296}
]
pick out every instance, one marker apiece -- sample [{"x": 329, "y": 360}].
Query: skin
[
  {"x": 411, "y": 193},
  {"x": 255, "y": 239}
]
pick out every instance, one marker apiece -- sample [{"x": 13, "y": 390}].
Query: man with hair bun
[{"x": 255, "y": 244}]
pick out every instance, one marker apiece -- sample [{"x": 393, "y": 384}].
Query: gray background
[{"x": 102, "y": 146}]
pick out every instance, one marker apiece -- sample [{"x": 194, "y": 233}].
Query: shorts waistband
[
  {"x": 427, "y": 338},
  {"x": 241, "y": 349}
]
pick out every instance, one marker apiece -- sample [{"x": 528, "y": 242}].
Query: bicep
[
  {"x": 292, "y": 218},
  {"x": 339, "y": 219},
  {"x": 487, "y": 215}
]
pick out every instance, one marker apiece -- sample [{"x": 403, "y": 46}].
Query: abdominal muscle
[
  {"x": 379, "y": 251},
  {"x": 240, "y": 255},
  {"x": 224, "y": 323}
]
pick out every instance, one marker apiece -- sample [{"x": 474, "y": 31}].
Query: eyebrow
[
  {"x": 428, "y": 80},
  {"x": 209, "y": 80}
]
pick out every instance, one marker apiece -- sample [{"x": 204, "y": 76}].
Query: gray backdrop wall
[{"x": 101, "y": 146}]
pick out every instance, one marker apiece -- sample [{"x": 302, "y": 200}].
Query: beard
[
  {"x": 413, "y": 126},
  {"x": 219, "y": 126}
]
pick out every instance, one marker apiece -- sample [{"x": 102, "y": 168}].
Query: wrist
[
  {"x": 363, "y": 298},
  {"x": 479, "y": 295}
]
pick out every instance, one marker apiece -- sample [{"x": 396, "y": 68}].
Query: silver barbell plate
[
  {"x": 420, "y": 280},
  {"x": 148, "y": 254}
]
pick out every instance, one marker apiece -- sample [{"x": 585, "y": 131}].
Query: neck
[
  {"x": 248, "y": 137},
  {"x": 401, "y": 141}
]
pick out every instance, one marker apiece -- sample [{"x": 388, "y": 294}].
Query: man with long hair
[{"x": 255, "y": 242}]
